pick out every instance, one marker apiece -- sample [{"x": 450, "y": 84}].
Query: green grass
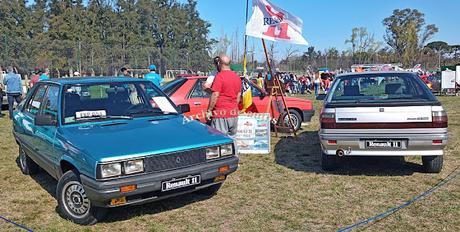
[{"x": 283, "y": 191}]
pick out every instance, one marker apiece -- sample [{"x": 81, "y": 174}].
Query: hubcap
[
  {"x": 22, "y": 159},
  {"x": 294, "y": 118},
  {"x": 75, "y": 200}
]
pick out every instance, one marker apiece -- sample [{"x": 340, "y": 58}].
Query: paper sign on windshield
[
  {"x": 164, "y": 105},
  {"x": 90, "y": 114}
]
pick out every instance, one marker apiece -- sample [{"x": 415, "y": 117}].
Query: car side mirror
[
  {"x": 262, "y": 95},
  {"x": 321, "y": 97},
  {"x": 45, "y": 120},
  {"x": 184, "y": 108}
]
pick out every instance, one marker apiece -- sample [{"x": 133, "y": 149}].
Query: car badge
[
  {"x": 178, "y": 160},
  {"x": 382, "y": 109}
]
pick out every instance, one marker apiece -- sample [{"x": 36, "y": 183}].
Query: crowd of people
[{"x": 307, "y": 83}]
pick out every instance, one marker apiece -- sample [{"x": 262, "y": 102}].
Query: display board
[
  {"x": 253, "y": 136},
  {"x": 448, "y": 79}
]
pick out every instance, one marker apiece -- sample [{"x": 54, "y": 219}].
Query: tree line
[
  {"x": 406, "y": 41},
  {"x": 101, "y": 36}
]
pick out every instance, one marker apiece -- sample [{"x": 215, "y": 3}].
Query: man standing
[
  {"x": 14, "y": 89},
  {"x": 45, "y": 75},
  {"x": 226, "y": 94},
  {"x": 152, "y": 76},
  {"x": 35, "y": 78},
  {"x": 125, "y": 72},
  {"x": 1, "y": 91}
]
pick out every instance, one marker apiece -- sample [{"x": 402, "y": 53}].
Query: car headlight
[
  {"x": 226, "y": 150},
  {"x": 133, "y": 166},
  {"x": 212, "y": 152},
  {"x": 110, "y": 170}
]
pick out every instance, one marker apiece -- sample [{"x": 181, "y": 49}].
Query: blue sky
[{"x": 328, "y": 23}]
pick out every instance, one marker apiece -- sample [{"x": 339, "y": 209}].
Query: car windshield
[
  {"x": 173, "y": 86},
  {"x": 123, "y": 100},
  {"x": 384, "y": 87}
]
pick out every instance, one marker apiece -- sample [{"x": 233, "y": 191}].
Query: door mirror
[
  {"x": 321, "y": 97},
  {"x": 45, "y": 120},
  {"x": 262, "y": 95},
  {"x": 184, "y": 108}
]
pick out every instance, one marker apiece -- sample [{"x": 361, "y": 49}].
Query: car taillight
[
  {"x": 327, "y": 118},
  {"x": 439, "y": 117}
]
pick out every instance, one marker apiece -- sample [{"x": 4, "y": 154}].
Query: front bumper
[
  {"x": 355, "y": 144},
  {"x": 307, "y": 115},
  {"x": 149, "y": 185}
]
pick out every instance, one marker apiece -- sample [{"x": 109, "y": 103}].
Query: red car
[{"x": 189, "y": 90}]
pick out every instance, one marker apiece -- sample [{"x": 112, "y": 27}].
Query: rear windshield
[
  {"x": 384, "y": 87},
  {"x": 171, "y": 87}
]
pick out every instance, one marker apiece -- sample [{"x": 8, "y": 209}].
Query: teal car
[{"x": 113, "y": 141}]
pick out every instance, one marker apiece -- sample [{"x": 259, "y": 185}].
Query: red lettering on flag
[{"x": 282, "y": 34}]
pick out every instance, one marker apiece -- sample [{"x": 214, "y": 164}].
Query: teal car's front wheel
[
  {"x": 73, "y": 202},
  {"x": 27, "y": 165}
]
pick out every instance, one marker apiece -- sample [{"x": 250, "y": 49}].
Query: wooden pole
[{"x": 280, "y": 89}]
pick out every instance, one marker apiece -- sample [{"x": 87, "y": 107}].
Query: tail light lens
[
  {"x": 439, "y": 117},
  {"x": 327, "y": 118}
]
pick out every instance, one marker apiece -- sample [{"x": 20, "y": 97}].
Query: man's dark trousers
[{"x": 12, "y": 97}]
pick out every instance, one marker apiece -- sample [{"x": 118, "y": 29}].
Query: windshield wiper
[{"x": 107, "y": 117}]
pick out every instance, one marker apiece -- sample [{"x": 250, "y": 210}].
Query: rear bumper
[
  {"x": 355, "y": 144},
  {"x": 307, "y": 115},
  {"x": 149, "y": 185}
]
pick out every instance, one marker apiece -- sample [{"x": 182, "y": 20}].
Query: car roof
[
  {"x": 194, "y": 77},
  {"x": 89, "y": 80},
  {"x": 373, "y": 73}
]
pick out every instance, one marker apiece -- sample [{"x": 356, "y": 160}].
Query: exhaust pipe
[{"x": 340, "y": 153}]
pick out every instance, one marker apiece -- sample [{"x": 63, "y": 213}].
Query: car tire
[
  {"x": 432, "y": 164},
  {"x": 73, "y": 203},
  {"x": 211, "y": 190},
  {"x": 328, "y": 162},
  {"x": 27, "y": 165},
  {"x": 296, "y": 118}
]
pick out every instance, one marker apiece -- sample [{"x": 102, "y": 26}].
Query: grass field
[{"x": 283, "y": 191}]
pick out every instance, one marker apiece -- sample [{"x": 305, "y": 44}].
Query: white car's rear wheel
[{"x": 432, "y": 164}]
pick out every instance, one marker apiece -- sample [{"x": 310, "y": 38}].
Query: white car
[{"x": 382, "y": 114}]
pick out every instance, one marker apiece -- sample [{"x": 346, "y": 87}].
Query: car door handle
[{"x": 197, "y": 103}]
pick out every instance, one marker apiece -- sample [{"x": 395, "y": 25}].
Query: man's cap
[{"x": 152, "y": 67}]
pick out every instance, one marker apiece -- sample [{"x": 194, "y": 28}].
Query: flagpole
[{"x": 245, "y": 42}]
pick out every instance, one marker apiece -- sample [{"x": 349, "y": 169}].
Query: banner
[
  {"x": 253, "y": 136},
  {"x": 273, "y": 23}
]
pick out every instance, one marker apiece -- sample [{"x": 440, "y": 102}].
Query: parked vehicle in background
[
  {"x": 189, "y": 90},
  {"x": 116, "y": 141},
  {"x": 382, "y": 114}
]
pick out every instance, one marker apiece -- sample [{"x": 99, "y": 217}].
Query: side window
[
  {"x": 33, "y": 106},
  {"x": 50, "y": 102},
  {"x": 198, "y": 91}
]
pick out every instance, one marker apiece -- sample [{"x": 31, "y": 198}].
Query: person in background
[
  {"x": 152, "y": 76},
  {"x": 125, "y": 72},
  {"x": 317, "y": 84},
  {"x": 226, "y": 94},
  {"x": 260, "y": 80},
  {"x": 14, "y": 90},
  {"x": 45, "y": 75},
  {"x": 2, "y": 89},
  {"x": 35, "y": 78}
]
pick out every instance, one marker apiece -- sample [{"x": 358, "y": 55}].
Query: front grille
[{"x": 175, "y": 160}]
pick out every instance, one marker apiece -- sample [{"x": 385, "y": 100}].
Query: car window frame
[
  {"x": 32, "y": 96},
  {"x": 198, "y": 81}
]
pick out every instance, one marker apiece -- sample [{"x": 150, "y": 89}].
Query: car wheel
[
  {"x": 296, "y": 119},
  {"x": 73, "y": 203},
  {"x": 328, "y": 162},
  {"x": 211, "y": 190},
  {"x": 432, "y": 164},
  {"x": 27, "y": 165}
]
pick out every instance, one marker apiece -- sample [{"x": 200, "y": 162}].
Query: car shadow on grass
[
  {"x": 123, "y": 213},
  {"x": 303, "y": 153}
]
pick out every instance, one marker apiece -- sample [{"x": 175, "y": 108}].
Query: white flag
[{"x": 273, "y": 23}]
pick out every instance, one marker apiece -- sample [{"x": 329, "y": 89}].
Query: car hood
[
  {"x": 302, "y": 104},
  {"x": 126, "y": 139}
]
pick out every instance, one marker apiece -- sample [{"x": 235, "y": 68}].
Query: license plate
[
  {"x": 180, "y": 183},
  {"x": 383, "y": 144}
]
